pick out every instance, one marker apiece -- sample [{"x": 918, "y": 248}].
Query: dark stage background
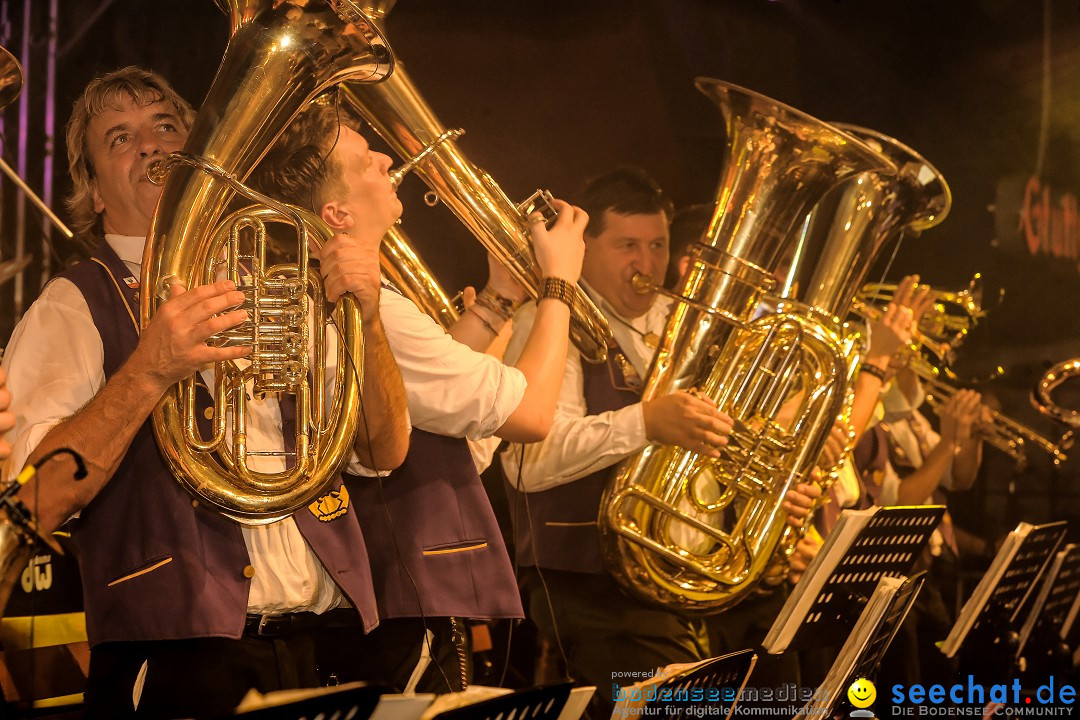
[{"x": 553, "y": 92}]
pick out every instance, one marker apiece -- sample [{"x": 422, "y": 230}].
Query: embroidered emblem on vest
[
  {"x": 332, "y": 505},
  {"x": 131, "y": 282}
]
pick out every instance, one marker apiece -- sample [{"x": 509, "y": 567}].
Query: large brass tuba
[
  {"x": 783, "y": 378},
  {"x": 280, "y": 56},
  {"x": 404, "y": 120}
]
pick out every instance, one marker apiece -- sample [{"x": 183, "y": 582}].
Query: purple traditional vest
[
  {"x": 433, "y": 521},
  {"x": 155, "y": 563},
  {"x": 563, "y": 520}
]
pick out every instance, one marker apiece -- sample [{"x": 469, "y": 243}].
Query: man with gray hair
[{"x": 186, "y": 609}]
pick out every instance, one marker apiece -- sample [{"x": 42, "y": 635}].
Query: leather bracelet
[
  {"x": 557, "y": 289},
  {"x": 873, "y": 370},
  {"x": 480, "y": 317},
  {"x": 486, "y": 302}
]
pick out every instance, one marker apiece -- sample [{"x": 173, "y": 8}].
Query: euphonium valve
[{"x": 280, "y": 56}]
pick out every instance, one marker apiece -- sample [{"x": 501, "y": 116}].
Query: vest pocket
[
  {"x": 148, "y": 567},
  {"x": 459, "y": 547}
]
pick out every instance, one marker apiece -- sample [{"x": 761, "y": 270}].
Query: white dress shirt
[
  {"x": 55, "y": 362},
  {"x": 579, "y": 444}
]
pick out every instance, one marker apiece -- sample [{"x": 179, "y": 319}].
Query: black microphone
[{"x": 17, "y": 512}]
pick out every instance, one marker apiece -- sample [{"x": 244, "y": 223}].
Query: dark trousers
[
  {"x": 207, "y": 677},
  {"x": 388, "y": 655},
  {"x": 609, "y": 638}
]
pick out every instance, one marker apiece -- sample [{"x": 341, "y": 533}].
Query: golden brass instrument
[
  {"x": 11, "y": 83},
  {"x": 1041, "y": 396},
  {"x": 782, "y": 378},
  {"x": 280, "y": 56},
  {"x": 944, "y": 327},
  {"x": 404, "y": 120},
  {"x": 1010, "y": 436}
]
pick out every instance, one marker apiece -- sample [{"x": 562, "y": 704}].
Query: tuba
[
  {"x": 782, "y": 378},
  {"x": 403, "y": 119},
  {"x": 280, "y": 55}
]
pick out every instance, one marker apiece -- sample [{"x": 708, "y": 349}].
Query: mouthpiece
[
  {"x": 400, "y": 172},
  {"x": 643, "y": 284}
]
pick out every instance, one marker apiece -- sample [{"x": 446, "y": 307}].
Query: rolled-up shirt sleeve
[
  {"x": 452, "y": 390},
  {"x": 579, "y": 444}
]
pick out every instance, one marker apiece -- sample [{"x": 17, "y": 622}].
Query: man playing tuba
[{"x": 186, "y": 609}]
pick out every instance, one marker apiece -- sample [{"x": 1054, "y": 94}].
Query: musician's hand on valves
[
  {"x": 835, "y": 446},
  {"x": 799, "y": 500},
  {"x": 687, "y": 420},
  {"x": 502, "y": 282},
  {"x": 560, "y": 249},
  {"x": 7, "y": 418},
  {"x": 960, "y": 415},
  {"x": 805, "y": 552},
  {"x": 910, "y": 294},
  {"x": 350, "y": 264},
  {"x": 174, "y": 344}
]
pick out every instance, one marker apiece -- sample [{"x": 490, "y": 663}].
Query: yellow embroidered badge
[{"x": 332, "y": 505}]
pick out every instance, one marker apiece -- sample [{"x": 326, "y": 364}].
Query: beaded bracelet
[{"x": 558, "y": 289}]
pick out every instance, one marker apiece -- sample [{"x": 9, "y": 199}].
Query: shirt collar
[{"x": 128, "y": 248}]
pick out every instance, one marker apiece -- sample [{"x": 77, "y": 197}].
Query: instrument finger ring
[{"x": 536, "y": 220}]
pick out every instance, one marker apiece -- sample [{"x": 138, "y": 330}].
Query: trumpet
[
  {"x": 1008, "y": 435},
  {"x": 943, "y": 328},
  {"x": 952, "y": 315}
]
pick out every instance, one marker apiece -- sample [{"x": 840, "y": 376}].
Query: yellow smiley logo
[{"x": 862, "y": 693}]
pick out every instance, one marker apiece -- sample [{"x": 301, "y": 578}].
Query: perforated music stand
[
  {"x": 356, "y": 703},
  {"x": 718, "y": 681},
  {"x": 987, "y": 649},
  {"x": 889, "y": 545},
  {"x": 874, "y": 640},
  {"x": 1042, "y": 642},
  {"x": 539, "y": 703}
]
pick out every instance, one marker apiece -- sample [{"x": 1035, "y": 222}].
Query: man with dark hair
[
  {"x": 608, "y": 637},
  {"x": 687, "y": 227},
  {"x": 436, "y": 551},
  {"x": 186, "y": 609}
]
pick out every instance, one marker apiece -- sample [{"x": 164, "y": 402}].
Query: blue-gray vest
[
  {"x": 156, "y": 564},
  {"x": 563, "y": 520}
]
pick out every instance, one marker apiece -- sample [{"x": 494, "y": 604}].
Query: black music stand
[
  {"x": 539, "y": 703},
  {"x": 865, "y": 546},
  {"x": 1043, "y": 644},
  {"x": 715, "y": 683},
  {"x": 866, "y": 645},
  {"x": 353, "y": 703},
  {"x": 986, "y": 634}
]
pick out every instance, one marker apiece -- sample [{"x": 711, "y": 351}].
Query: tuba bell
[
  {"x": 280, "y": 55},
  {"x": 779, "y": 164},
  {"x": 404, "y": 120}
]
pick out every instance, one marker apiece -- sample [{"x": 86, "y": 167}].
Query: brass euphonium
[
  {"x": 779, "y": 164},
  {"x": 404, "y": 120},
  {"x": 1042, "y": 396},
  {"x": 279, "y": 57}
]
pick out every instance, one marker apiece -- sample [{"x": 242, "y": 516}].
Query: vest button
[
  {"x": 194, "y": 503},
  {"x": 208, "y": 413},
  {"x": 249, "y": 572}
]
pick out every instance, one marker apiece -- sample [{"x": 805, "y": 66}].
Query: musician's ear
[
  {"x": 99, "y": 204},
  {"x": 337, "y": 215}
]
